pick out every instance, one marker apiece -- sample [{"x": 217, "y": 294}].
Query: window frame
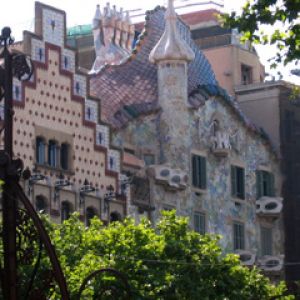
[
  {"x": 201, "y": 223},
  {"x": 266, "y": 240},
  {"x": 39, "y": 151},
  {"x": 265, "y": 183},
  {"x": 69, "y": 210},
  {"x": 198, "y": 173},
  {"x": 54, "y": 163},
  {"x": 65, "y": 156},
  {"x": 238, "y": 182},
  {"x": 238, "y": 235}
]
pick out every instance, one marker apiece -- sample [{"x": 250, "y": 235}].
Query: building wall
[
  {"x": 226, "y": 62},
  {"x": 261, "y": 103},
  {"x": 247, "y": 150},
  {"x": 55, "y": 105}
]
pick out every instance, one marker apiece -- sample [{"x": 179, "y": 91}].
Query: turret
[{"x": 172, "y": 54}]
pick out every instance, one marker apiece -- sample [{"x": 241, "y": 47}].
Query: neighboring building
[
  {"x": 234, "y": 63},
  {"x": 273, "y": 101},
  {"x": 58, "y": 131},
  {"x": 203, "y": 157}
]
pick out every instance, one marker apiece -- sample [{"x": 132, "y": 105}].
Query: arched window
[
  {"x": 115, "y": 216},
  {"x": 65, "y": 210},
  {"x": 90, "y": 214},
  {"x": 40, "y": 150},
  {"x": 52, "y": 153},
  {"x": 64, "y": 156},
  {"x": 40, "y": 203}
]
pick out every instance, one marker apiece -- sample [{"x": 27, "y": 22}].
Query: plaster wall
[
  {"x": 226, "y": 62},
  {"x": 262, "y": 106}
]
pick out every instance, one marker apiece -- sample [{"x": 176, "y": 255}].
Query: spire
[
  {"x": 171, "y": 46},
  {"x": 97, "y": 17}
]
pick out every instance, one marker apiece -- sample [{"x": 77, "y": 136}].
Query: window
[
  {"x": 52, "y": 153},
  {"x": 111, "y": 163},
  {"x": 40, "y": 204},
  {"x": 66, "y": 62},
  {"x": 199, "y": 222},
  {"x": 199, "y": 171},
  {"x": 65, "y": 210},
  {"x": 77, "y": 87},
  {"x": 246, "y": 74},
  {"x": 238, "y": 182},
  {"x": 266, "y": 240},
  {"x": 238, "y": 236},
  {"x": 40, "y": 150},
  {"x": 16, "y": 92},
  {"x": 149, "y": 159},
  {"x": 265, "y": 184},
  {"x": 64, "y": 156},
  {"x": 90, "y": 214}
]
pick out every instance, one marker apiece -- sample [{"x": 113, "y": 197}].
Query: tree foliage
[
  {"x": 166, "y": 262},
  {"x": 282, "y": 15}
]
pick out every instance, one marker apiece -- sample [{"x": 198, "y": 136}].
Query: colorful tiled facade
[{"x": 203, "y": 156}]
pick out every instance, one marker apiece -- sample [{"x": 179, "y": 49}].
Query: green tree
[
  {"x": 166, "y": 262},
  {"x": 283, "y": 15}
]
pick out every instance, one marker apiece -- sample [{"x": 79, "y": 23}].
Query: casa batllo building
[
  {"x": 58, "y": 132},
  {"x": 202, "y": 156}
]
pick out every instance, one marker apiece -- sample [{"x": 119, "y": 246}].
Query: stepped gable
[
  {"x": 130, "y": 89},
  {"x": 58, "y": 95}
]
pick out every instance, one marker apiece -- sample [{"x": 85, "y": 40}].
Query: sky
[{"x": 19, "y": 15}]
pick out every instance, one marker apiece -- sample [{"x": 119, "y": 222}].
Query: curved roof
[{"x": 129, "y": 89}]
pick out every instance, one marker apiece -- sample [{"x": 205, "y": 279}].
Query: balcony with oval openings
[{"x": 172, "y": 179}]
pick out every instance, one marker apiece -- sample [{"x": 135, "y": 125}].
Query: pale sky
[{"x": 19, "y": 15}]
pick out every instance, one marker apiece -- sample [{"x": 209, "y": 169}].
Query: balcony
[
  {"x": 221, "y": 144},
  {"x": 247, "y": 258},
  {"x": 172, "y": 179},
  {"x": 269, "y": 206},
  {"x": 270, "y": 263}
]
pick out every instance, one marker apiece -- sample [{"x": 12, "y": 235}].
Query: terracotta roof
[
  {"x": 191, "y": 18},
  {"x": 197, "y": 17},
  {"x": 130, "y": 89}
]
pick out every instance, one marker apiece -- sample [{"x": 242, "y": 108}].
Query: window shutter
[
  {"x": 233, "y": 181},
  {"x": 272, "y": 185},
  {"x": 243, "y": 183},
  {"x": 259, "y": 184},
  {"x": 202, "y": 172},
  {"x": 194, "y": 170}
]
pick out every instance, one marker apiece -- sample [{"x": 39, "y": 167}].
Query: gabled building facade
[
  {"x": 202, "y": 156},
  {"x": 58, "y": 132}
]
